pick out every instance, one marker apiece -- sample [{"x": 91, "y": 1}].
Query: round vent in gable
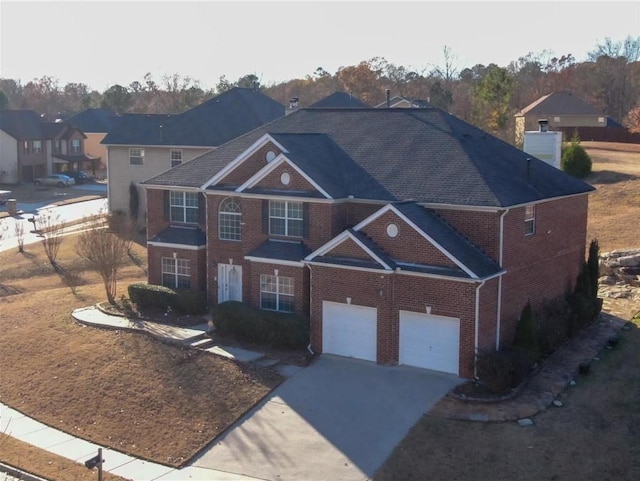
[
  {"x": 285, "y": 178},
  {"x": 392, "y": 230},
  {"x": 270, "y": 156}
]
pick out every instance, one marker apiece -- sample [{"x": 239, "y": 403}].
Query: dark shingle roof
[
  {"x": 94, "y": 120},
  {"x": 559, "y": 103},
  {"x": 424, "y": 155},
  {"x": 282, "y": 250},
  {"x": 339, "y": 100},
  {"x": 210, "y": 124},
  {"x": 447, "y": 237},
  {"x": 21, "y": 124},
  {"x": 181, "y": 235}
]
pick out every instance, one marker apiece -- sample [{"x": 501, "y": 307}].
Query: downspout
[
  {"x": 500, "y": 254},
  {"x": 310, "y": 308},
  {"x": 477, "y": 326}
]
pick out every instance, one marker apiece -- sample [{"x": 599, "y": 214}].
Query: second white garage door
[
  {"x": 430, "y": 342},
  {"x": 349, "y": 330}
]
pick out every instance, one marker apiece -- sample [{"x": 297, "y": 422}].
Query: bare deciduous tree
[
  {"x": 19, "y": 232},
  {"x": 50, "y": 226},
  {"x": 105, "y": 253}
]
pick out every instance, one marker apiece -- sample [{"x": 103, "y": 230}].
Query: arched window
[{"x": 229, "y": 219}]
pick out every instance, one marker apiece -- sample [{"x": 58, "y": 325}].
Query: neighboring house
[
  {"x": 31, "y": 147},
  {"x": 339, "y": 100},
  {"x": 560, "y": 110},
  {"x": 406, "y": 236},
  {"x": 95, "y": 124},
  {"x": 144, "y": 145},
  {"x": 400, "y": 102}
]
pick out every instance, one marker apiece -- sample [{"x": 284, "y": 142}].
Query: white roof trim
[
  {"x": 175, "y": 188},
  {"x": 271, "y": 166},
  {"x": 339, "y": 239},
  {"x": 353, "y": 268},
  {"x": 281, "y": 262},
  {"x": 400, "y": 270},
  {"x": 242, "y": 157},
  {"x": 390, "y": 207},
  {"x": 176, "y": 246}
]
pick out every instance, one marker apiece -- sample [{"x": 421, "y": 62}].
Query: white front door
[{"x": 229, "y": 283}]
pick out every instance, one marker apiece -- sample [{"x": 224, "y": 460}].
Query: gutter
[
  {"x": 477, "y": 325},
  {"x": 310, "y": 307},
  {"x": 500, "y": 259}
]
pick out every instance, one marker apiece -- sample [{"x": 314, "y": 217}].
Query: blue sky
[{"x": 101, "y": 43}]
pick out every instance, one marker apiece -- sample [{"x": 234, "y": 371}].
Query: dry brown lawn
[
  {"x": 614, "y": 209},
  {"x": 122, "y": 390},
  {"x": 45, "y": 464}
]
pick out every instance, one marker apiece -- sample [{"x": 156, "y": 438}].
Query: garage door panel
[
  {"x": 430, "y": 342},
  {"x": 349, "y": 330}
]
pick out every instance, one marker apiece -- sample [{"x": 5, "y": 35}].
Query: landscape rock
[
  {"x": 525, "y": 422},
  {"x": 630, "y": 261},
  {"x": 558, "y": 403}
]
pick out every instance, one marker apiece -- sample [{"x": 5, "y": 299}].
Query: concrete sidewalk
[{"x": 22, "y": 427}]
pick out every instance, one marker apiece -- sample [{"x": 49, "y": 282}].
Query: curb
[{"x": 18, "y": 473}]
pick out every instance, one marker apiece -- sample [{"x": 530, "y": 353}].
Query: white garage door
[
  {"x": 349, "y": 330},
  {"x": 430, "y": 342}
]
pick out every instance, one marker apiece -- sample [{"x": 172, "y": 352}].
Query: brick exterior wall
[
  {"x": 250, "y": 166},
  {"x": 408, "y": 245},
  {"x": 543, "y": 265},
  {"x": 349, "y": 249},
  {"x": 480, "y": 227},
  {"x": 296, "y": 181}
]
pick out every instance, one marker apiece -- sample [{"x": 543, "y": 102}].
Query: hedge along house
[{"x": 406, "y": 235}]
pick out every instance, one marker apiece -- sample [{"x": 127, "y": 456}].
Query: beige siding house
[
  {"x": 559, "y": 109},
  {"x": 141, "y": 146},
  {"x": 133, "y": 164}
]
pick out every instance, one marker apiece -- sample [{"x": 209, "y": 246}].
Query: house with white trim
[{"x": 406, "y": 236}]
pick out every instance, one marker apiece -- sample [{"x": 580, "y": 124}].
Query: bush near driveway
[
  {"x": 278, "y": 330},
  {"x": 146, "y": 296}
]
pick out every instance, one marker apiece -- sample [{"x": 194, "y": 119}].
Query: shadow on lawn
[{"x": 608, "y": 177}]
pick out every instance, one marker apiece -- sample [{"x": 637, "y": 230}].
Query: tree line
[{"x": 485, "y": 95}]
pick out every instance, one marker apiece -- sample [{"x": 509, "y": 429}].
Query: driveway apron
[{"x": 337, "y": 419}]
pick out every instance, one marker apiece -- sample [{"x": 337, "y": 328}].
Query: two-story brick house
[
  {"x": 406, "y": 235},
  {"x": 31, "y": 147},
  {"x": 140, "y": 146}
]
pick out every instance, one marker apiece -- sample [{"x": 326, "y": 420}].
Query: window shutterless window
[
  {"x": 276, "y": 293},
  {"x": 136, "y": 156},
  {"x": 176, "y": 273},
  {"x": 176, "y": 157},
  {"x": 183, "y": 207},
  {"x": 286, "y": 218},
  {"x": 229, "y": 220},
  {"x": 37, "y": 146},
  {"x": 56, "y": 146},
  {"x": 529, "y": 220},
  {"x": 75, "y": 146}
]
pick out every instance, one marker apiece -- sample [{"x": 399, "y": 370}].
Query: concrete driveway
[{"x": 337, "y": 419}]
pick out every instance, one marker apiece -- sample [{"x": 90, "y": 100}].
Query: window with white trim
[
  {"x": 56, "y": 147},
  {"x": 75, "y": 146},
  {"x": 176, "y": 273},
  {"x": 136, "y": 156},
  {"x": 530, "y": 220},
  {"x": 25, "y": 146},
  {"x": 176, "y": 157},
  {"x": 276, "y": 293},
  {"x": 229, "y": 220},
  {"x": 184, "y": 207},
  {"x": 37, "y": 146},
  {"x": 286, "y": 218}
]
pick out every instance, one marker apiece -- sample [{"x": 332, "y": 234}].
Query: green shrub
[
  {"x": 554, "y": 324},
  {"x": 526, "y": 333},
  {"x": 190, "y": 302},
  {"x": 575, "y": 160},
  {"x": 276, "y": 329},
  {"x": 146, "y": 295},
  {"x": 501, "y": 371}
]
